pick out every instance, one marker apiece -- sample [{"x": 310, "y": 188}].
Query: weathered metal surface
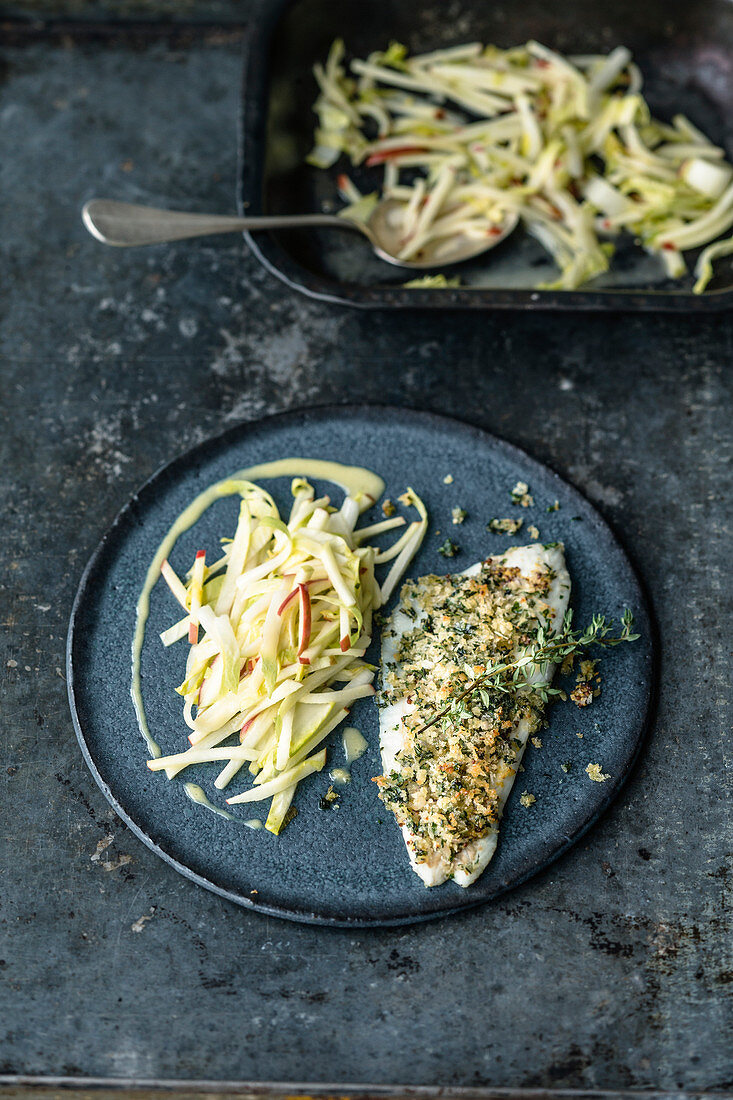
[{"x": 609, "y": 971}]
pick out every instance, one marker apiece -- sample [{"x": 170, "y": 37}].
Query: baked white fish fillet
[{"x": 466, "y": 866}]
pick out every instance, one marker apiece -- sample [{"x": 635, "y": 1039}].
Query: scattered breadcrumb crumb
[
  {"x": 139, "y": 924},
  {"x": 448, "y": 479},
  {"x": 388, "y": 508},
  {"x": 527, "y": 799},
  {"x": 593, "y": 771},
  {"x": 582, "y": 694},
  {"x": 580, "y": 735},
  {"x": 533, "y": 533},
  {"x": 106, "y": 863},
  {"x": 554, "y": 507},
  {"x": 458, "y": 515},
  {"x": 101, "y": 846},
  {"x": 113, "y": 864},
  {"x": 537, "y": 742},
  {"x": 520, "y": 494},
  {"x": 504, "y": 526},
  {"x": 567, "y": 766}
]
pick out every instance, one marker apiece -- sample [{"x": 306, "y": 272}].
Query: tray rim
[
  {"x": 96, "y": 562},
  {"x": 257, "y": 39}
]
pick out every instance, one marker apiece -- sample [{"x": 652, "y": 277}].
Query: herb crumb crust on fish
[{"x": 447, "y": 784}]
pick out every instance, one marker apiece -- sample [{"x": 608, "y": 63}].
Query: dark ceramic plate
[
  {"x": 348, "y": 867},
  {"x": 684, "y": 50}
]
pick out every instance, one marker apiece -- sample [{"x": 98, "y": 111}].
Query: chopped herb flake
[
  {"x": 449, "y": 549},
  {"x": 330, "y": 800}
]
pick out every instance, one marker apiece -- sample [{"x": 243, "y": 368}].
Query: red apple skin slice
[
  {"x": 245, "y": 728},
  {"x": 386, "y": 155},
  {"x": 290, "y": 596},
  {"x": 305, "y": 619}
]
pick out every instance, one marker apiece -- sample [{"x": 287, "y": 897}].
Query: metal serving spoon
[{"x": 123, "y": 224}]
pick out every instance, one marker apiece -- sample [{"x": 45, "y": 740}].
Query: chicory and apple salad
[{"x": 466, "y": 136}]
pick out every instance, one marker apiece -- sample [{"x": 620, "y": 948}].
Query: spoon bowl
[{"x": 384, "y": 229}]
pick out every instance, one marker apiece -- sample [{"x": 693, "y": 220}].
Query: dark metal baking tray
[{"x": 685, "y": 51}]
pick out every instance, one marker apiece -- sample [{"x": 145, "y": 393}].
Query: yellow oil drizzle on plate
[
  {"x": 198, "y": 794},
  {"x": 341, "y": 776},
  {"x": 354, "y": 480},
  {"x": 354, "y": 744}
]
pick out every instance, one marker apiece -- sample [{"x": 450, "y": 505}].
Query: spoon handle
[{"x": 124, "y": 223}]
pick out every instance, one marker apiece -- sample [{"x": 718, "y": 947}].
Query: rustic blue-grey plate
[{"x": 348, "y": 866}]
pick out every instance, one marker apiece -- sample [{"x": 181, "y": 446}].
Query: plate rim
[{"x": 218, "y": 442}]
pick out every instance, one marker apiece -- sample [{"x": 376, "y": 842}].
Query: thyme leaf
[{"x": 549, "y": 649}]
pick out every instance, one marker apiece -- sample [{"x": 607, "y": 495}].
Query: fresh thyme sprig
[{"x": 549, "y": 649}]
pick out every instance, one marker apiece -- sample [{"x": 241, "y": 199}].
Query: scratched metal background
[{"x": 613, "y": 969}]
